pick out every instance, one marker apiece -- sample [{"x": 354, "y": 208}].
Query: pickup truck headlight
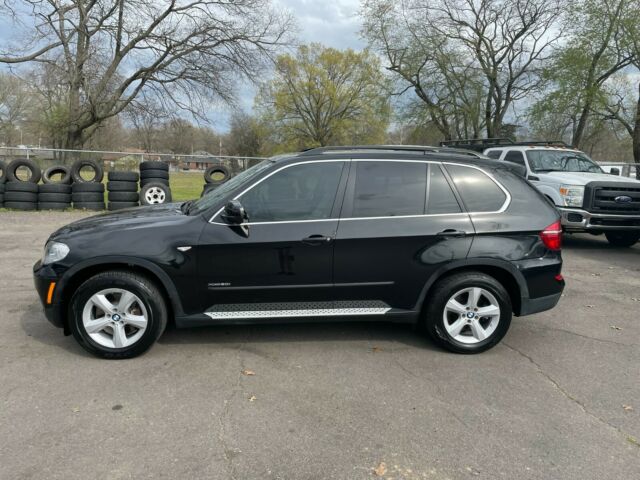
[
  {"x": 572, "y": 195},
  {"x": 54, "y": 252}
]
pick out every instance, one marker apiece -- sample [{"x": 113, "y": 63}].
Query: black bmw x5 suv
[{"x": 452, "y": 242}]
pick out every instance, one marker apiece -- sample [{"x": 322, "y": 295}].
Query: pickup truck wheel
[
  {"x": 622, "y": 239},
  {"x": 117, "y": 315},
  {"x": 468, "y": 312}
]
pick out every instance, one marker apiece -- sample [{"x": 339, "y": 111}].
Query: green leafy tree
[{"x": 322, "y": 96}]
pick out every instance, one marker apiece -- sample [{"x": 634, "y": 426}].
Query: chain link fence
[{"x": 48, "y": 157}]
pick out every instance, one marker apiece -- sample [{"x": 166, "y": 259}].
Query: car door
[
  {"x": 284, "y": 252},
  {"x": 400, "y": 222}
]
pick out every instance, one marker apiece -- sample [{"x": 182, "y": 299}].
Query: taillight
[{"x": 552, "y": 236}]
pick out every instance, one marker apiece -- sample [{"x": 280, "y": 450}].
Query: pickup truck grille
[{"x": 603, "y": 199}]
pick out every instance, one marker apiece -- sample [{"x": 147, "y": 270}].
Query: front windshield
[
  {"x": 214, "y": 196},
  {"x": 541, "y": 161}
]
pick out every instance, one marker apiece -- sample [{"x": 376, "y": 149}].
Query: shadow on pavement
[{"x": 36, "y": 326}]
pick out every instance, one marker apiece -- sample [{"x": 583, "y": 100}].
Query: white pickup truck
[{"x": 589, "y": 199}]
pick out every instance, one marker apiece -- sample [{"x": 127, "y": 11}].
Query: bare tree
[
  {"x": 107, "y": 52},
  {"x": 451, "y": 41},
  {"x": 146, "y": 115}
]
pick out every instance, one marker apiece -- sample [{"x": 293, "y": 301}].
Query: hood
[
  {"x": 582, "y": 178},
  {"x": 126, "y": 219}
]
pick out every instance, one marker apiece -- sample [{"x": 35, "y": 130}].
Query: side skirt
[{"x": 228, "y": 314}]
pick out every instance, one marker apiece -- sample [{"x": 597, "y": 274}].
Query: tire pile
[
  {"x": 123, "y": 190},
  {"x": 154, "y": 183},
  {"x": 214, "y": 176},
  {"x": 63, "y": 187}
]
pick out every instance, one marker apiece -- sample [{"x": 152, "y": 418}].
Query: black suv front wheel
[
  {"x": 468, "y": 312},
  {"x": 117, "y": 314}
]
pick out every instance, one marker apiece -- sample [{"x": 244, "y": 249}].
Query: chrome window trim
[{"x": 502, "y": 209}]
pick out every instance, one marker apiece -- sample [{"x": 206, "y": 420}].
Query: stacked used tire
[
  {"x": 154, "y": 183},
  {"x": 21, "y": 194},
  {"x": 3, "y": 178},
  {"x": 214, "y": 176},
  {"x": 87, "y": 194},
  {"x": 123, "y": 190},
  {"x": 55, "y": 193}
]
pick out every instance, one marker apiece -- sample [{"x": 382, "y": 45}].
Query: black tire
[
  {"x": 146, "y": 174},
  {"x": 3, "y": 172},
  {"x": 90, "y": 197},
  {"x": 54, "y": 197},
  {"x": 1, "y": 187},
  {"x": 122, "y": 186},
  {"x": 146, "y": 181},
  {"x": 21, "y": 205},
  {"x": 123, "y": 196},
  {"x": 20, "y": 187},
  {"x": 87, "y": 187},
  {"x": 216, "y": 170},
  {"x": 124, "y": 176},
  {"x": 154, "y": 165},
  {"x": 79, "y": 164},
  {"x": 54, "y": 188},
  {"x": 120, "y": 205},
  {"x": 21, "y": 197},
  {"x": 155, "y": 193},
  {"x": 53, "y": 206},
  {"x": 622, "y": 238},
  {"x": 443, "y": 292},
  {"x": 65, "y": 173},
  {"x": 95, "y": 206},
  {"x": 34, "y": 177},
  {"x": 148, "y": 293}
]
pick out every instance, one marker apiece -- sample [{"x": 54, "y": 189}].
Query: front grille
[{"x": 603, "y": 199}]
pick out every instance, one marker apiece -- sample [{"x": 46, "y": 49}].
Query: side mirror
[
  {"x": 533, "y": 178},
  {"x": 234, "y": 213},
  {"x": 614, "y": 171}
]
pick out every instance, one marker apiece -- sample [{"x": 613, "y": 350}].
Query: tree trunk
[
  {"x": 636, "y": 137},
  {"x": 582, "y": 125}
]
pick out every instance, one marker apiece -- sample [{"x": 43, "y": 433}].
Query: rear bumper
[
  {"x": 578, "y": 220},
  {"x": 529, "y": 306},
  {"x": 43, "y": 277}
]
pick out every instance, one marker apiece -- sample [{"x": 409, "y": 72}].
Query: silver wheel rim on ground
[
  {"x": 471, "y": 315},
  {"x": 115, "y": 318},
  {"x": 155, "y": 195}
]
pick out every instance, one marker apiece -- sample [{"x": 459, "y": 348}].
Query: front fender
[{"x": 117, "y": 261}]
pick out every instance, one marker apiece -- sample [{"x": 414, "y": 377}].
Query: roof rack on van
[
  {"x": 424, "y": 149},
  {"x": 481, "y": 144}
]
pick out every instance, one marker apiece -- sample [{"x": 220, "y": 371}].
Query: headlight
[
  {"x": 54, "y": 252},
  {"x": 572, "y": 195}
]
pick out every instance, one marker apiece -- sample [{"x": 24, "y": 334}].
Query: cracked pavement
[{"x": 327, "y": 400}]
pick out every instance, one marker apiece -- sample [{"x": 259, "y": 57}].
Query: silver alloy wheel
[
  {"x": 471, "y": 315},
  {"x": 155, "y": 195},
  {"x": 115, "y": 318}
]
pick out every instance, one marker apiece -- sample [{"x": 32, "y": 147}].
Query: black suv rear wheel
[
  {"x": 117, "y": 314},
  {"x": 622, "y": 239},
  {"x": 468, "y": 312}
]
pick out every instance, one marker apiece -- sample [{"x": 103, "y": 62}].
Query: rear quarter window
[{"x": 478, "y": 191}]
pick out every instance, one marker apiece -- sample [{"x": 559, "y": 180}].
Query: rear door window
[
  {"x": 495, "y": 154},
  {"x": 387, "y": 189},
  {"x": 478, "y": 191},
  {"x": 515, "y": 156}
]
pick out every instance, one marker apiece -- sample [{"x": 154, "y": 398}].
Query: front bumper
[
  {"x": 43, "y": 277},
  {"x": 578, "y": 220}
]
